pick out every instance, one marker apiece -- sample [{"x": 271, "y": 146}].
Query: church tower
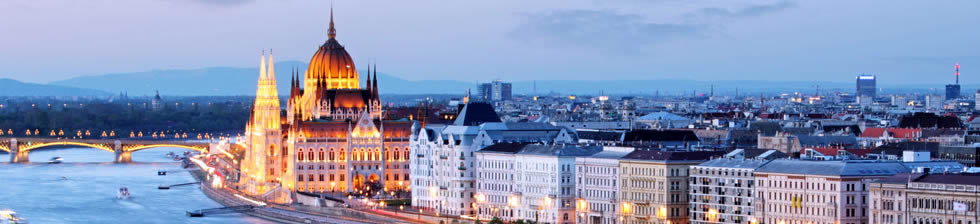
[{"x": 267, "y": 164}]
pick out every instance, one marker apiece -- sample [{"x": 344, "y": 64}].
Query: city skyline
[{"x": 700, "y": 40}]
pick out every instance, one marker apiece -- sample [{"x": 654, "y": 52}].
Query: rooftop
[{"x": 835, "y": 167}]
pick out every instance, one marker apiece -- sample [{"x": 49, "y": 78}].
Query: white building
[
  {"x": 800, "y": 191},
  {"x": 522, "y": 181},
  {"x": 597, "y": 185},
  {"x": 722, "y": 190},
  {"x": 442, "y": 165}
]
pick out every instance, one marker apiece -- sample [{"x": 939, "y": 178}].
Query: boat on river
[
  {"x": 123, "y": 193},
  {"x": 55, "y": 160}
]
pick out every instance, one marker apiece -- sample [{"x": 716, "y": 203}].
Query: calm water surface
[{"x": 37, "y": 192}]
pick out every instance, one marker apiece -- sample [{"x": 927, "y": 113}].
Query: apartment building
[
  {"x": 818, "y": 192},
  {"x": 926, "y": 198},
  {"x": 723, "y": 190},
  {"x": 654, "y": 185}
]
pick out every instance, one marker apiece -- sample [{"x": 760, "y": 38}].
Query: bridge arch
[
  {"x": 30, "y": 147},
  {"x": 134, "y": 148}
]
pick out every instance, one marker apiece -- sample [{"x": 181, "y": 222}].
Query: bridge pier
[
  {"x": 16, "y": 156},
  {"x": 122, "y": 156}
]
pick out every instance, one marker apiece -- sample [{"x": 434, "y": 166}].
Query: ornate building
[{"x": 332, "y": 137}]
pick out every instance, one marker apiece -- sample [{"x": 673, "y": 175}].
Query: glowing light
[
  {"x": 480, "y": 197},
  {"x": 259, "y": 203}
]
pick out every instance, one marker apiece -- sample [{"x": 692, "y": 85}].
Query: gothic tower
[{"x": 267, "y": 164}]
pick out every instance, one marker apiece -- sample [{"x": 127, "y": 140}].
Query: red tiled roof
[
  {"x": 873, "y": 132},
  {"x": 905, "y": 133},
  {"x": 827, "y": 151}
]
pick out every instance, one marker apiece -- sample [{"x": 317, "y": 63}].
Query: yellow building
[{"x": 654, "y": 185}]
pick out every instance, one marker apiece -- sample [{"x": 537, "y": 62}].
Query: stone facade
[{"x": 926, "y": 199}]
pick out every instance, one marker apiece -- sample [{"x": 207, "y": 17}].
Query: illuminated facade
[
  {"x": 819, "y": 192},
  {"x": 266, "y": 161},
  {"x": 654, "y": 185},
  {"x": 445, "y": 164},
  {"x": 723, "y": 190},
  {"x": 332, "y": 136},
  {"x": 524, "y": 181}
]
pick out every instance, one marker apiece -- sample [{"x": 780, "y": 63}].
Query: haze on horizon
[{"x": 903, "y": 42}]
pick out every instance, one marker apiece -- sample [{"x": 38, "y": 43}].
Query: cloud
[
  {"x": 604, "y": 29},
  {"x": 613, "y": 30},
  {"x": 751, "y": 11}
]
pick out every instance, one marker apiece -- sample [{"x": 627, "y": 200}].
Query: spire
[
  {"x": 262, "y": 67},
  {"x": 331, "y": 32},
  {"x": 375, "y": 87},
  {"x": 271, "y": 74},
  {"x": 368, "y": 85},
  {"x": 292, "y": 78}
]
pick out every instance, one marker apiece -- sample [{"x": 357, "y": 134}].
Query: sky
[{"x": 903, "y": 42}]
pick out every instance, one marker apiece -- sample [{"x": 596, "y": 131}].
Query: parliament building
[{"x": 332, "y": 136}]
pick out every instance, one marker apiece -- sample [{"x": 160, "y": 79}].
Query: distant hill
[
  {"x": 10, "y": 87},
  {"x": 242, "y": 81},
  {"x": 235, "y": 81}
]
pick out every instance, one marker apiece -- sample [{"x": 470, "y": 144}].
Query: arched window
[
  {"x": 377, "y": 153},
  {"x": 310, "y": 157},
  {"x": 322, "y": 155},
  {"x": 331, "y": 155},
  {"x": 299, "y": 156},
  {"x": 395, "y": 157},
  {"x": 343, "y": 155},
  {"x": 406, "y": 155}
]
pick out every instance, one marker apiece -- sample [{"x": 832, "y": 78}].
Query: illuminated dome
[{"x": 331, "y": 67}]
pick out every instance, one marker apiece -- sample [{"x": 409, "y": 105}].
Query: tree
[{"x": 495, "y": 220}]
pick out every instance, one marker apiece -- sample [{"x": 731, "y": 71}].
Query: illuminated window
[{"x": 343, "y": 155}]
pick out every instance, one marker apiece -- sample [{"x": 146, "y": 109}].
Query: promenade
[{"x": 295, "y": 213}]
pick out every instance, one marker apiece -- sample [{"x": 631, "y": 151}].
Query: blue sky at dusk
[{"x": 903, "y": 42}]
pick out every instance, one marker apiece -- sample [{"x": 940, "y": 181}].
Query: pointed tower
[
  {"x": 266, "y": 165},
  {"x": 368, "y": 85},
  {"x": 374, "y": 88}
]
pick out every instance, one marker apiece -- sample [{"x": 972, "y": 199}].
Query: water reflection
[{"x": 37, "y": 191}]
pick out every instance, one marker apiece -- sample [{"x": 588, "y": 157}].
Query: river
[{"x": 37, "y": 192}]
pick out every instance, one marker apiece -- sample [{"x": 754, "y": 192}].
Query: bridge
[{"x": 122, "y": 148}]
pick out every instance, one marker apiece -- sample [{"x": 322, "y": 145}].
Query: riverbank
[{"x": 291, "y": 214}]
